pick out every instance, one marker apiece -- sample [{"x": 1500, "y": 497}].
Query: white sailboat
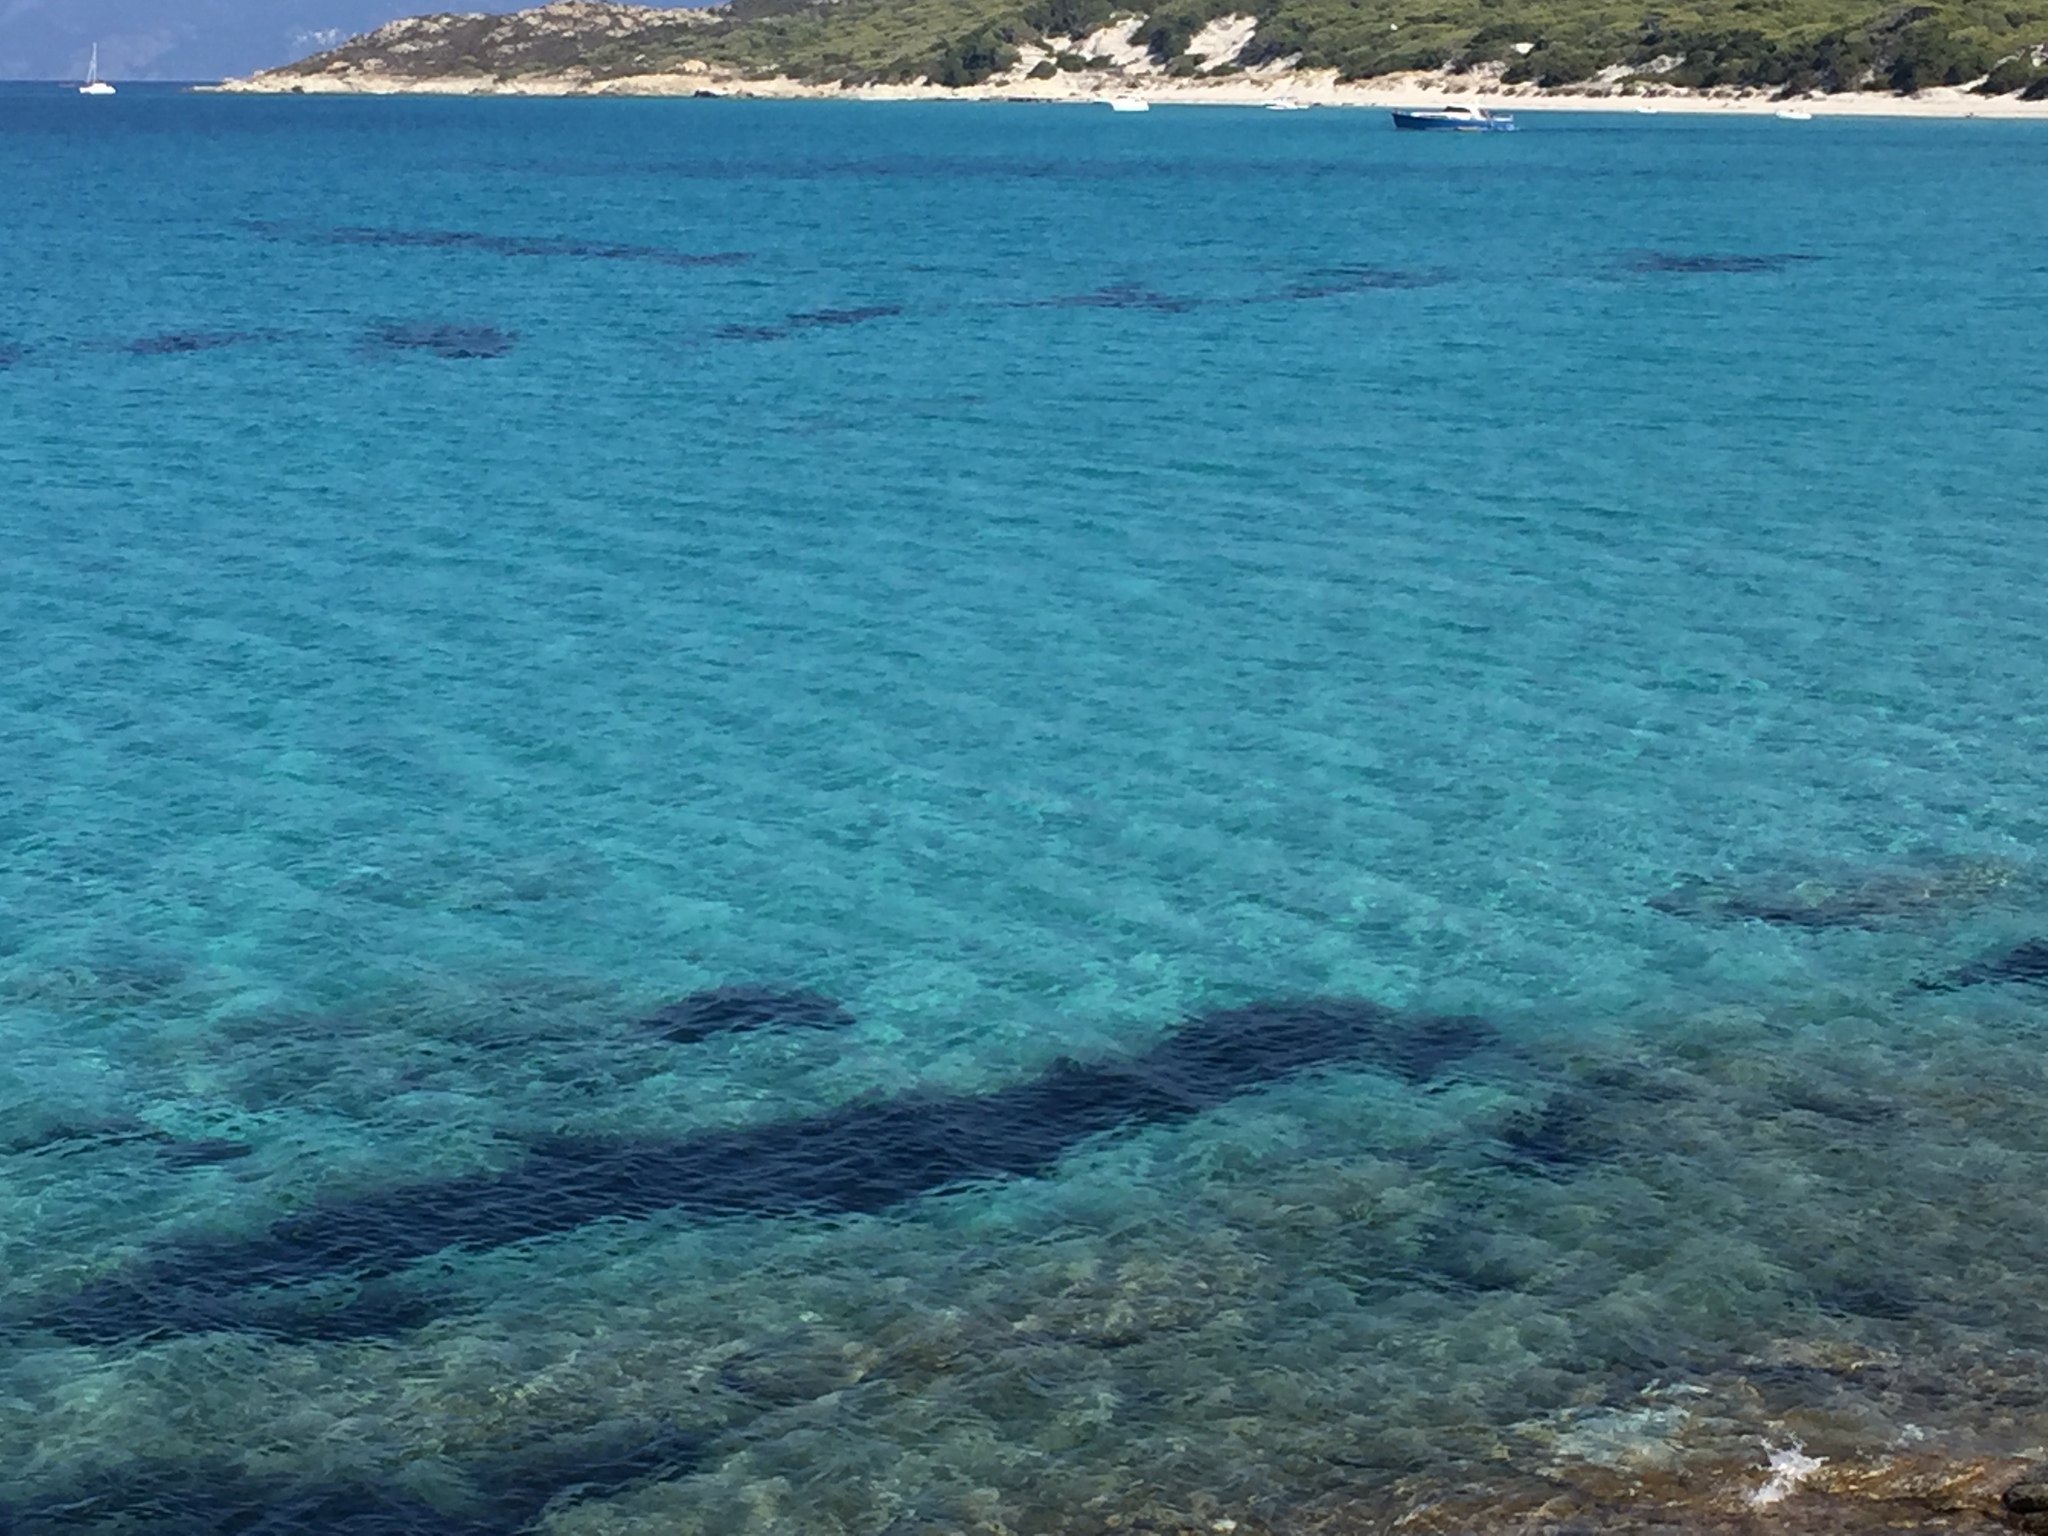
[{"x": 94, "y": 85}]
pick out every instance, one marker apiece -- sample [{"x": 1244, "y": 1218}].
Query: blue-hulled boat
[{"x": 1456, "y": 119}]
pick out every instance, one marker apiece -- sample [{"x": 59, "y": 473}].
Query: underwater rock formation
[
  {"x": 797, "y": 1367},
  {"x": 739, "y": 1009},
  {"x": 1853, "y": 899},
  {"x": 440, "y": 337},
  {"x": 2027, "y": 962},
  {"x": 859, "y": 1158},
  {"x": 1884, "y": 1297}
]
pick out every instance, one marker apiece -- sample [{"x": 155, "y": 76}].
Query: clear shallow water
[{"x": 1039, "y": 578}]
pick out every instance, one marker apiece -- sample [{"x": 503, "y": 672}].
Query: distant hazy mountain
[{"x": 185, "y": 39}]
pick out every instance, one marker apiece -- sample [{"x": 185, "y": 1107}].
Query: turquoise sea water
[{"x": 479, "y": 572}]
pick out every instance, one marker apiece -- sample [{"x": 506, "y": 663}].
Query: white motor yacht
[{"x": 1457, "y": 118}]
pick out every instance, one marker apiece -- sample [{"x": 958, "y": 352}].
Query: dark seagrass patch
[
  {"x": 862, "y": 1157},
  {"x": 2025, "y": 963},
  {"x": 498, "y": 1495},
  {"x": 172, "y": 343},
  {"x": 440, "y": 338},
  {"x": 506, "y": 245},
  {"x": 1881, "y": 897},
  {"x": 66, "y": 1138},
  {"x": 1334, "y": 282},
  {"x": 805, "y": 320},
  {"x": 857, "y": 315},
  {"x": 1120, "y": 296},
  {"x": 742, "y": 1009},
  {"x": 1685, "y": 261},
  {"x": 1568, "y": 1131}
]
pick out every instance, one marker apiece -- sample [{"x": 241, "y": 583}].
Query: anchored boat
[
  {"x": 1456, "y": 119},
  {"x": 94, "y": 85}
]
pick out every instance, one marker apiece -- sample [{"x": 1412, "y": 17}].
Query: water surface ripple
[{"x": 609, "y": 931}]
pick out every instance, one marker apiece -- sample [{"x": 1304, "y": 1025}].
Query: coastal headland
[{"x": 1910, "y": 62}]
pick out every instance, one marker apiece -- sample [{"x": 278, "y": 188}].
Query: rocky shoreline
[
  {"x": 1305, "y": 88},
  {"x": 587, "y": 48}
]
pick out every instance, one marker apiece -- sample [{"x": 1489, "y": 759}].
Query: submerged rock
[
  {"x": 797, "y": 1367},
  {"x": 741, "y": 1009},
  {"x": 1887, "y": 1298},
  {"x": 2027, "y": 963},
  {"x": 1853, "y": 899},
  {"x": 2026, "y": 1502}
]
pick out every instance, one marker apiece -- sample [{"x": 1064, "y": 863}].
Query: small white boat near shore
[
  {"x": 1793, "y": 115},
  {"x": 1455, "y": 118},
  {"x": 1287, "y": 104},
  {"x": 94, "y": 85},
  {"x": 1128, "y": 104}
]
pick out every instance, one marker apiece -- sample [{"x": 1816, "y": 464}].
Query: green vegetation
[{"x": 1782, "y": 45}]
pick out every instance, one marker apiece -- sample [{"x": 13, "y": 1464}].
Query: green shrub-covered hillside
[{"x": 1995, "y": 46}]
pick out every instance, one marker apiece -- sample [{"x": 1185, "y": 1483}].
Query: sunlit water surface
[{"x": 477, "y": 573}]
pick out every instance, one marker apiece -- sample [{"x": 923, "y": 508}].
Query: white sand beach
[{"x": 1250, "y": 88}]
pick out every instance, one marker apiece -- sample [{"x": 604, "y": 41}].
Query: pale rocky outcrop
[
  {"x": 1222, "y": 40},
  {"x": 558, "y": 38},
  {"x": 1117, "y": 44}
]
